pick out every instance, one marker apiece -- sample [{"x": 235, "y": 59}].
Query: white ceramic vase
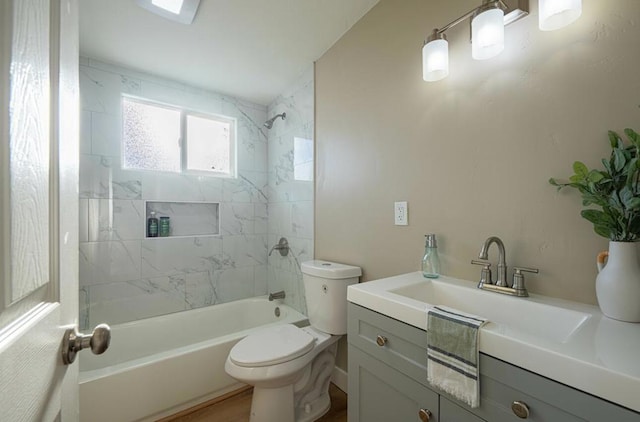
[{"x": 618, "y": 283}]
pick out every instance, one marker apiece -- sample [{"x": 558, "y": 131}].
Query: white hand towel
[{"x": 452, "y": 353}]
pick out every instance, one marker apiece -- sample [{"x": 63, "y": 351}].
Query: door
[{"x": 38, "y": 207}]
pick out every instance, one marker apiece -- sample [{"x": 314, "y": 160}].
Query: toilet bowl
[{"x": 290, "y": 367}]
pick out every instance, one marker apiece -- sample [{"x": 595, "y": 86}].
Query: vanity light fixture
[
  {"x": 487, "y": 30},
  {"x": 183, "y": 11}
]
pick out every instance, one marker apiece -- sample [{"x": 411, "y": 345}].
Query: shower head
[{"x": 269, "y": 123}]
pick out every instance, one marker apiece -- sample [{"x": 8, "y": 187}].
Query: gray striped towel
[{"x": 452, "y": 353}]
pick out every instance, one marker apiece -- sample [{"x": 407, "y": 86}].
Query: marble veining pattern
[
  {"x": 125, "y": 276},
  {"x": 290, "y": 201}
]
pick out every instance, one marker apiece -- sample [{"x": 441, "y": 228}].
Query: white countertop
[{"x": 601, "y": 357}]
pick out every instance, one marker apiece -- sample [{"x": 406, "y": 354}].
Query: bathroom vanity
[{"x": 553, "y": 366}]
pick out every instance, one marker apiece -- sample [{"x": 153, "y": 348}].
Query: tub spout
[{"x": 276, "y": 295}]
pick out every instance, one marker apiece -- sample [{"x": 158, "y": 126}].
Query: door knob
[{"x": 74, "y": 341}]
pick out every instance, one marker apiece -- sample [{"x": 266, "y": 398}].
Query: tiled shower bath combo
[{"x": 124, "y": 275}]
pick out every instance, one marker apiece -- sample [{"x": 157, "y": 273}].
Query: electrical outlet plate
[{"x": 401, "y": 213}]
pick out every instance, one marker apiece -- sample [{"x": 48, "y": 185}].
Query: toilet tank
[{"x": 325, "y": 285}]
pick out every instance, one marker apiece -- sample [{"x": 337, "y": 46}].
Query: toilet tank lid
[{"x": 331, "y": 270}]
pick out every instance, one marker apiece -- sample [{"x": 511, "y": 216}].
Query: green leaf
[
  {"x": 597, "y": 217},
  {"x": 553, "y": 182},
  {"x": 595, "y": 176},
  {"x": 602, "y": 231},
  {"x": 633, "y": 136},
  {"x": 619, "y": 160},
  {"x": 580, "y": 169},
  {"x": 625, "y": 195},
  {"x": 614, "y": 139},
  {"x": 634, "y": 225},
  {"x": 633, "y": 204},
  {"x": 606, "y": 165},
  {"x": 631, "y": 169},
  {"x": 576, "y": 178}
]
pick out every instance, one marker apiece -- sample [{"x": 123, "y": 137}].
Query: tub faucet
[
  {"x": 276, "y": 295},
  {"x": 282, "y": 246},
  {"x": 501, "y": 279}
]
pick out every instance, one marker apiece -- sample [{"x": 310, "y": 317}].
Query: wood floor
[{"x": 236, "y": 409}]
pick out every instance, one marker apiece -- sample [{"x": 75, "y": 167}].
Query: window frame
[
  {"x": 233, "y": 147},
  {"x": 183, "y": 141}
]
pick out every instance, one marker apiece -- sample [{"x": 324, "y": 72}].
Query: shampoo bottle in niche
[
  {"x": 152, "y": 225},
  {"x": 430, "y": 260}
]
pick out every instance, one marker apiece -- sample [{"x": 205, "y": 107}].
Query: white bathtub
[{"x": 158, "y": 366}]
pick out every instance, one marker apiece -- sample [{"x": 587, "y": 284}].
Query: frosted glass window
[
  {"x": 165, "y": 138},
  {"x": 209, "y": 144},
  {"x": 151, "y": 136},
  {"x": 303, "y": 159}
]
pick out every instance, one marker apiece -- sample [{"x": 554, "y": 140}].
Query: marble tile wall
[
  {"x": 124, "y": 276},
  {"x": 290, "y": 201}
]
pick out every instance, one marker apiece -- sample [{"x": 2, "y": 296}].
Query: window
[
  {"x": 164, "y": 138},
  {"x": 303, "y": 159}
]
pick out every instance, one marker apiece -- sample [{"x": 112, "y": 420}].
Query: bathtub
[{"x": 159, "y": 366}]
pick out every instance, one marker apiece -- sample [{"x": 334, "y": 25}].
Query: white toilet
[{"x": 290, "y": 367}]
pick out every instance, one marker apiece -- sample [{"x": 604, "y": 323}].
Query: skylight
[
  {"x": 172, "y": 6},
  {"x": 183, "y": 11}
]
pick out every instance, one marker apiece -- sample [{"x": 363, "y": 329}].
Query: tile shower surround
[
  {"x": 290, "y": 201},
  {"x": 124, "y": 276}
]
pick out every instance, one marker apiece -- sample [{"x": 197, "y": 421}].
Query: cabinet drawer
[
  {"x": 378, "y": 393},
  {"x": 501, "y": 384},
  {"x": 404, "y": 348}
]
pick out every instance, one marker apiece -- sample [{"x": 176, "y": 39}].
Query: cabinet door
[
  {"x": 450, "y": 412},
  {"x": 379, "y": 393}
]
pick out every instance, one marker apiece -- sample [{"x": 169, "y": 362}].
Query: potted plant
[{"x": 612, "y": 199}]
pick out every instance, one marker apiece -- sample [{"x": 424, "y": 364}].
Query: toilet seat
[{"x": 271, "y": 346}]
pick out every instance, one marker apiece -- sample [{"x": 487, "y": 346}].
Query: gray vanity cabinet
[{"x": 388, "y": 382}]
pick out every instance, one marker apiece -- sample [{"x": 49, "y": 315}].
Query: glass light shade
[
  {"x": 487, "y": 34},
  {"x": 555, "y": 14},
  {"x": 435, "y": 60}
]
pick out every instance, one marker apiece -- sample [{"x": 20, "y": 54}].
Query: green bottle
[
  {"x": 152, "y": 225},
  {"x": 165, "y": 226}
]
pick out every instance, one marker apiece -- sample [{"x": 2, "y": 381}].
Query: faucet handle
[
  {"x": 519, "y": 270},
  {"x": 485, "y": 274},
  {"x": 518, "y": 280}
]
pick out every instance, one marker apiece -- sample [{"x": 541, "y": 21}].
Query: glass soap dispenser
[{"x": 430, "y": 261}]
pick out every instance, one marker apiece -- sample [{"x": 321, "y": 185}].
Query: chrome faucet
[
  {"x": 501, "y": 279},
  {"x": 517, "y": 287},
  {"x": 276, "y": 295}
]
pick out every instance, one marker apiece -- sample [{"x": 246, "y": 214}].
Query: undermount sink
[{"x": 509, "y": 315}]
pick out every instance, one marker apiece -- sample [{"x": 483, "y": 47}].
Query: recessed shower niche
[{"x": 186, "y": 218}]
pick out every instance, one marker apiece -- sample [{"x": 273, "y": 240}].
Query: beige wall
[{"x": 472, "y": 153}]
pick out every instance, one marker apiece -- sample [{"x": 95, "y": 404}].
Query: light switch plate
[{"x": 401, "y": 212}]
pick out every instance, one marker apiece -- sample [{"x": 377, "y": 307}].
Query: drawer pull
[
  {"x": 520, "y": 409},
  {"x": 425, "y": 415},
  {"x": 381, "y": 340}
]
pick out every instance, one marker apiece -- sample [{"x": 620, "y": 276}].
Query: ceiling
[{"x": 251, "y": 49}]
